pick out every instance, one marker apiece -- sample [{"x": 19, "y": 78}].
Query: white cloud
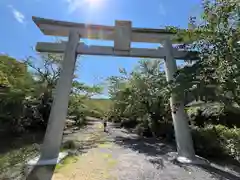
[
  {"x": 161, "y": 9},
  {"x": 2, "y": 53},
  {"x": 74, "y": 4},
  {"x": 17, "y": 14}
]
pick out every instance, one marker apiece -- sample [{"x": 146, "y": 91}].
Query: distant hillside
[{"x": 100, "y": 105}]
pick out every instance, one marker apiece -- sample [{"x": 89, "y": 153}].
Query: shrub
[
  {"x": 212, "y": 113},
  {"x": 70, "y": 144},
  {"x": 93, "y": 113},
  {"x": 143, "y": 130},
  {"x": 165, "y": 130},
  {"x": 81, "y": 121},
  {"x": 129, "y": 122},
  {"x": 231, "y": 139},
  {"x": 24, "y": 114},
  {"x": 206, "y": 142},
  {"x": 216, "y": 141}
]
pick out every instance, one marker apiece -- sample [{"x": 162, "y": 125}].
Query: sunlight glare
[{"x": 95, "y": 3}]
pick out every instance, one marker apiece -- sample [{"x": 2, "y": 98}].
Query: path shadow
[
  {"x": 229, "y": 162},
  {"x": 148, "y": 146},
  {"x": 216, "y": 171},
  {"x": 161, "y": 150},
  {"x": 219, "y": 173},
  {"x": 91, "y": 122},
  {"x": 153, "y": 148},
  {"x": 84, "y": 147}
]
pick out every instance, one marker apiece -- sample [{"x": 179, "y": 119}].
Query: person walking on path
[{"x": 105, "y": 125}]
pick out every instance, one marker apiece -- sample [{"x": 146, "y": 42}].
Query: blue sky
[{"x": 19, "y": 33}]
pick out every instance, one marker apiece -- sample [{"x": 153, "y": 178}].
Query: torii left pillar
[{"x": 53, "y": 136}]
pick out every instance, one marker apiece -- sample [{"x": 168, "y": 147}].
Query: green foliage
[
  {"x": 212, "y": 113},
  {"x": 99, "y": 107},
  {"x": 17, "y": 82},
  {"x": 216, "y": 141},
  {"x": 70, "y": 144},
  {"x": 231, "y": 139},
  {"x": 79, "y": 105},
  {"x": 26, "y": 100},
  {"x": 87, "y": 91},
  {"x": 140, "y": 97},
  {"x": 14, "y": 74},
  {"x": 12, "y": 158},
  {"x": 215, "y": 77}
]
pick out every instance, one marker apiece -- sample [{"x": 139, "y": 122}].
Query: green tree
[
  {"x": 216, "y": 76},
  {"x": 141, "y": 97},
  {"x": 26, "y": 96},
  {"x": 46, "y": 73},
  {"x": 14, "y": 74},
  {"x": 16, "y": 83}
]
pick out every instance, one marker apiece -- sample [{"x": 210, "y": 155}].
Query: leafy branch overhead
[{"x": 216, "y": 37}]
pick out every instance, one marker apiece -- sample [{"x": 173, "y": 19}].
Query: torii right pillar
[{"x": 186, "y": 153}]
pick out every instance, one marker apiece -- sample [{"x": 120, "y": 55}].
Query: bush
[
  {"x": 217, "y": 141},
  {"x": 212, "y": 113},
  {"x": 93, "y": 113},
  {"x": 112, "y": 115},
  {"x": 129, "y": 122},
  {"x": 24, "y": 114},
  {"x": 165, "y": 130},
  {"x": 70, "y": 144},
  {"x": 206, "y": 142},
  {"x": 231, "y": 139},
  {"x": 143, "y": 130},
  {"x": 81, "y": 121}
]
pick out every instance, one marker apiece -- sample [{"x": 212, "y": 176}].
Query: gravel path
[
  {"x": 120, "y": 155},
  {"x": 145, "y": 159}
]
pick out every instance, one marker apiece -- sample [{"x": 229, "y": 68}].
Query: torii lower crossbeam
[{"x": 110, "y": 51}]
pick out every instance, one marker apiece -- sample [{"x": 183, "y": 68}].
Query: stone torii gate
[{"x": 122, "y": 34}]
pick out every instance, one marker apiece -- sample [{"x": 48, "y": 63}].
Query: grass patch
[
  {"x": 100, "y": 126},
  {"x": 106, "y": 155},
  {"x": 100, "y": 105},
  {"x": 94, "y": 165},
  {"x": 13, "y": 157},
  {"x": 105, "y": 145},
  {"x": 68, "y": 160}
]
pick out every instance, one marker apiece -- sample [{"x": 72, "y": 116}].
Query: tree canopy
[{"x": 28, "y": 91}]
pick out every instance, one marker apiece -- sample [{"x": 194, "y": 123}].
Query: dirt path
[{"x": 118, "y": 155}]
